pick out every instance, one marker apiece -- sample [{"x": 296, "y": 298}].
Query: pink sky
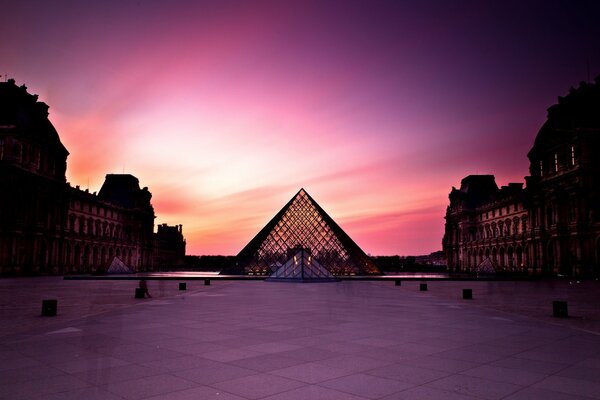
[{"x": 225, "y": 109}]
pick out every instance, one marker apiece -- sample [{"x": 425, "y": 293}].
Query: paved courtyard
[{"x": 260, "y": 340}]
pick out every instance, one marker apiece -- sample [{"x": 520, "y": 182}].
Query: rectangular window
[
  {"x": 17, "y": 152},
  {"x": 555, "y": 162},
  {"x": 541, "y": 168},
  {"x": 572, "y": 155}
]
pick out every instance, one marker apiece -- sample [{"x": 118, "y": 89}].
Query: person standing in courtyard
[{"x": 144, "y": 287}]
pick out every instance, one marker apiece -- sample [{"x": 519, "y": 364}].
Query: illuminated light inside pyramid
[{"x": 303, "y": 234}]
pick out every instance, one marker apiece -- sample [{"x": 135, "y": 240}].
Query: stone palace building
[
  {"x": 49, "y": 227},
  {"x": 549, "y": 227}
]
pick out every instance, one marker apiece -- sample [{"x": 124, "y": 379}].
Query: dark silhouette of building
[
  {"x": 553, "y": 225},
  {"x": 169, "y": 246},
  {"x": 47, "y": 226},
  {"x": 302, "y": 242}
]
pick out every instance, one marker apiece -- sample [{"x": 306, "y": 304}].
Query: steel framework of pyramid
[{"x": 302, "y": 242}]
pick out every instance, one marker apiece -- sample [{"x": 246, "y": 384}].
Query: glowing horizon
[{"x": 225, "y": 109}]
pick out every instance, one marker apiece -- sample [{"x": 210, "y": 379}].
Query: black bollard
[
  {"x": 139, "y": 293},
  {"x": 467, "y": 294},
  {"x": 398, "y": 282},
  {"x": 560, "y": 309},
  {"x": 49, "y": 307},
  {"x": 206, "y": 282},
  {"x": 423, "y": 287},
  {"x": 182, "y": 286}
]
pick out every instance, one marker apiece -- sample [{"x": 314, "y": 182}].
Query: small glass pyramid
[{"x": 302, "y": 242}]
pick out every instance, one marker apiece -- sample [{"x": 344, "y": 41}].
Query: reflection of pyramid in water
[
  {"x": 302, "y": 266},
  {"x": 302, "y": 229}
]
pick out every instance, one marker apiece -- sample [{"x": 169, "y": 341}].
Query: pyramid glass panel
[{"x": 302, "y": 242}]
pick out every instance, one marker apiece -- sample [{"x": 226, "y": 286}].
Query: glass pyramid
[{"x": 302, "y": 242}]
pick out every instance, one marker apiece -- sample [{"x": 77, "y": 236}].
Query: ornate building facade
[
  {"x": 552, "y": 226},
  {"x": 48, "y": 226}
]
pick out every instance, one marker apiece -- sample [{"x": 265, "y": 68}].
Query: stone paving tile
[
  {"x": 149, "y": 386},
  {"x": 420, "y": 349},
  {"x": 314, "y": 393},
  {"x": 179, "y": 363},
  {"x": 192, "y": 346},
  {"x": 576, "y": 387},
  {"x": 309, "y": 354},
  {"x": 377, "y": 342},
  {"x": 386, "y": 354},
  {"x": 553, "y": 354},
  {"x": 476, "y": 387},
  {"x": 428, "y": 393},
  {"x": 533, "y": 393},
  {"x": 464, "y": 354},
  {"x": 213, "y": 372},
  {"x": 353, "y": 363},
  {"x": 258, "y": 386},
  {"x": 272, "y": 347},
  {"x": 581, "y": 372},
  {"x": 369, "y": 386},
  {"x": 151, "y": 355},
  {"x": 310, "y": 372},
  {"x": 123, "y": 350},
  {"x": 266, "y": 362},
  {"x": 10, "y": 376},
  {"x": 26, "y": 389},
  {"x": 90, "y": 393},
  {"x": 488, "y": 348},
  {"x": 107, "y": 376},
  {"x": 230, "y": 354},
  {"x": 86, "y": 363},
  {"x": 197, "y": 393},
  {"x": 408, "y": 373},
  {"x": 523, "y": 364},
  {"x": 592, "y": 362},
  {"x": 442, "y": 364},
  {"x": 507, "y": 375}
]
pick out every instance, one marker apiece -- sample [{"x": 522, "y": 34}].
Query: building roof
[
  {"x": 21, "y": 114},
  {"x": 579, "y": 109},
  {"x": 124, "y": 190}
]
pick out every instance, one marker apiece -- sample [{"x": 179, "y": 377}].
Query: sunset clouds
[{"x": 225, "y": 109}]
